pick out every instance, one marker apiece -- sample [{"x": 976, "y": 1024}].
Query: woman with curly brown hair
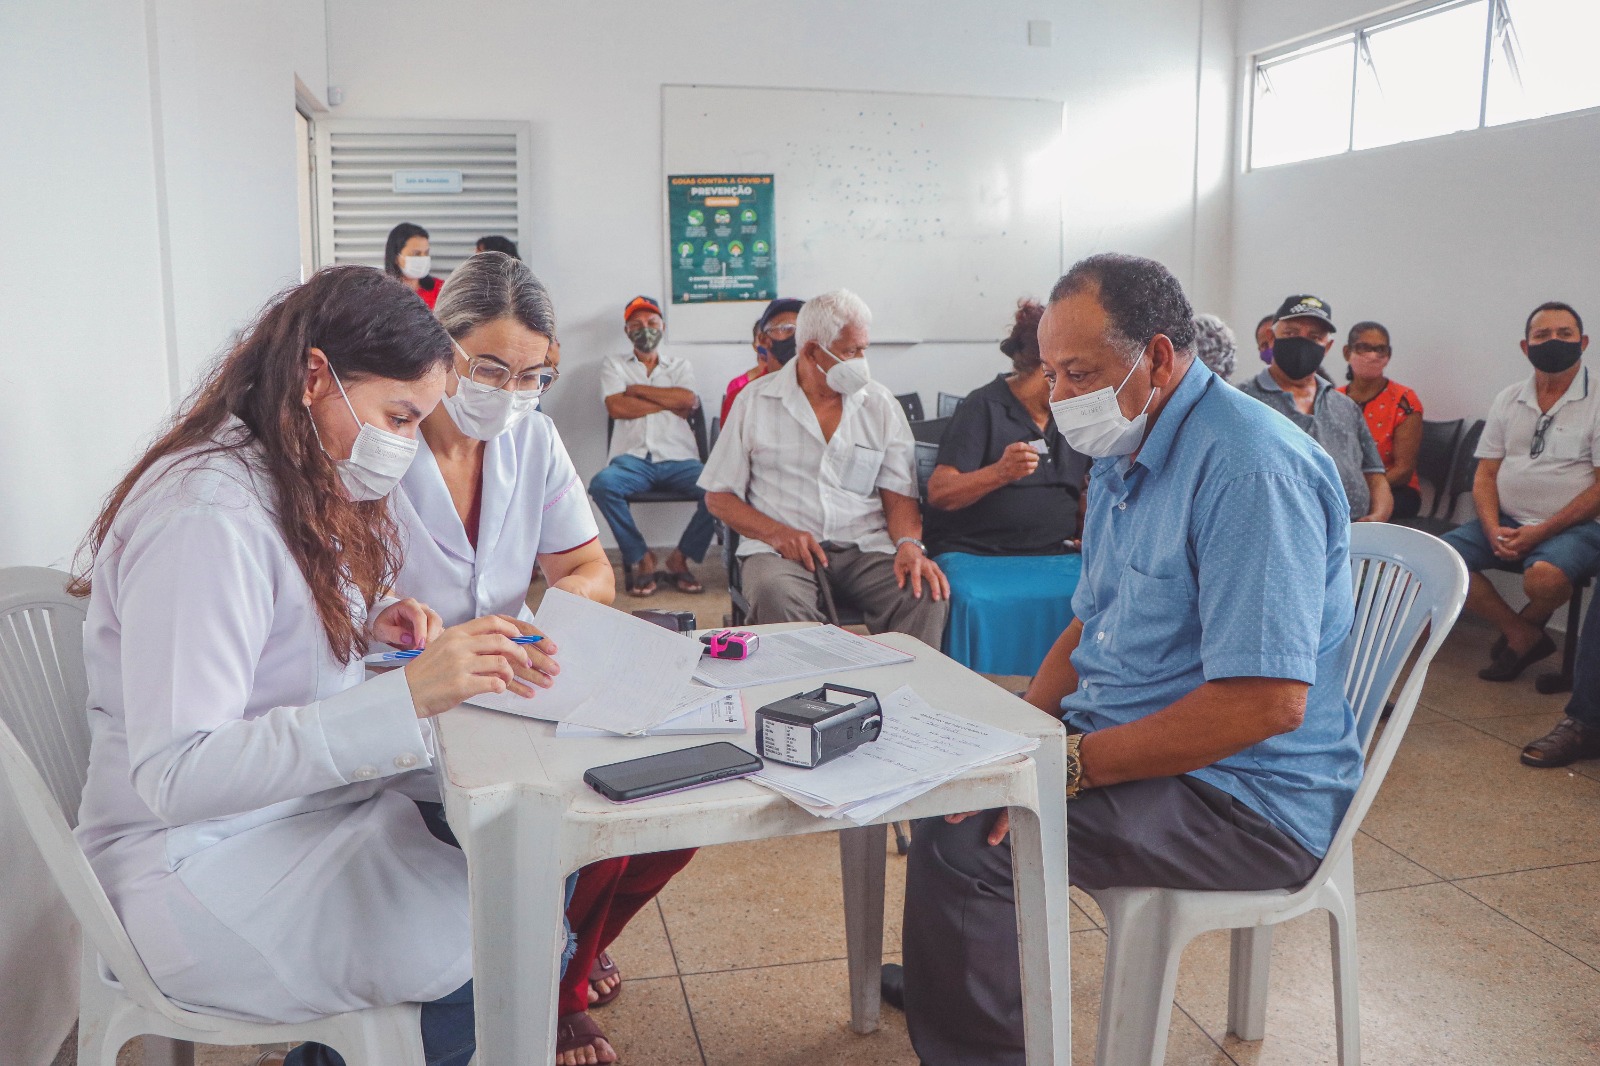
[{"x": 249, "y": 804}]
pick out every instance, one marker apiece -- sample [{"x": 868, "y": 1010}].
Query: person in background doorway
[
  {"x": 1214, "y": 345},
  {"x": 1302, "y": 334},
  {"x": 1536, "y": 491},
  {"x": 497, "y": 243},
  {"x": 651, "y": 396},
  {"x": 773, "y": 339},
  {"x": 1264, "y": 338},
  {"x": 1393, "y": 412},
  {"x": 406, "y": 256}
]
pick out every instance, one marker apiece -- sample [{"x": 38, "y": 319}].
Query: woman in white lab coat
[
  {"x": 249, "y": 805},
  {"x": 492, "y": 495}
]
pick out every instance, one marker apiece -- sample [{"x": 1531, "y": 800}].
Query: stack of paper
[
  {"x": 618, "y": 673},
  {"x": 702, "y": 710},
  {"x": 920, "y": 748},
  {"x": 798, "y": 653}
]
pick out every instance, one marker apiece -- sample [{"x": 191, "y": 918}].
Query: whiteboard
[{"x": 939, "y": 211}]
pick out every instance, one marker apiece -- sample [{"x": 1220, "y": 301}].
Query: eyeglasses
[
  {"x": 785, "y": 330},
  {"x": 849, "y": 353},
  {"x": 1540, "y": 428},
  {"x": 493, "y": 375},
  {"x": 1371, "y": 349}
]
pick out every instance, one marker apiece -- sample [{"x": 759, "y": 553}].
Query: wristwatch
[
  {"x": 923, "y": 548},
  {"x": 1075, "y": 781}
]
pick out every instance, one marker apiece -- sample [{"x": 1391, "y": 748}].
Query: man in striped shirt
[{"x": 816, "y": 470}]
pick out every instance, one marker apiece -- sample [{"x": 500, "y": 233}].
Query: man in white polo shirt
[
  {"x": 816, "y": 469},
  {"x": 1537, "y": 491}
]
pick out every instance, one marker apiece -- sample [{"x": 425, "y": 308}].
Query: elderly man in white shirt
[
  {"x": 650, "y": 396},
  {"x": 816, "y": 469}
]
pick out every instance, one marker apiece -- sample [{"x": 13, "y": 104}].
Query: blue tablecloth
[{"x": 1007, "y": 610}]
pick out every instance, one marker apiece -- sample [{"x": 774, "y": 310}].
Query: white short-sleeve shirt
[
  {"x": 772, "y": 455},
  {"x": 1534, "y": 488},
  {"x": 533, "y": 504},
  {"x": 663, "y": 437}
]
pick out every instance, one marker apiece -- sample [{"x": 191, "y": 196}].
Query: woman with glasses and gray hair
[{"x": 492, "y": 495}]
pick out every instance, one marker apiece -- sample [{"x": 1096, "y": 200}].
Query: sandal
[
  {"x": 604, "y": 969},
  {"x": 642, "y": 586},
  {"x": 684, "y": 581},
  {"x": 1568, "y": 742},
  {"x": 574, "y": 1032}
]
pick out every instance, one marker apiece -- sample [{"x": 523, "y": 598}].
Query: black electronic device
[
  {"x": 671, "y": 771},
  {"x": 677, "y": 621},
  {"x": 810, "y": 728}
]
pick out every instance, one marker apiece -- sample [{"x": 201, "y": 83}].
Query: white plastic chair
[
  {"x": 44, "y": 758},
  {"x": 1405, "y": 581}
]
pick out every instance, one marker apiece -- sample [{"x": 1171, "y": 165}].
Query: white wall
[
  {"x": 588, "y": 77},
  {"x": 1449, "y": 241},
  {"x": 150, "y": 176}
]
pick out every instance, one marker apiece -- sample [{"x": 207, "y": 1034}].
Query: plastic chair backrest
[
  {"x": 930, "y": 431},
  {"x": 1465, "y": 467},
  {"x": 1406, "y": 581},
  {"x": 948, "y": 404},
  {"x": 927, "y": 458},
  {"x": 44, "y": 759},
  {"x": 911, "y": 402},
  {"x": 1436, "y": 457}
]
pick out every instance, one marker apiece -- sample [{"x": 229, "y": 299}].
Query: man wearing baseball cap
[
  {"x": 650, "y": 397},
  {"x": 1302, "y": 334},
  {"x": 773, "y": 339}
]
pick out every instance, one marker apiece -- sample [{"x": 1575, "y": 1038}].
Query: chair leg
[
  {"x": 862, "y": 859},
  {"x": 1141, "y": 980},
  {"x": 1551, "y": 683},
  {"x": 162, "y": 1051},
  {"x": 1346, "y": 982},
  {"x": 1249, "y": 967},
  {"x": 902, "y": 841}
]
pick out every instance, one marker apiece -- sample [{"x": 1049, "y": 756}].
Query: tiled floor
[{"x": 1479, "y": 884}]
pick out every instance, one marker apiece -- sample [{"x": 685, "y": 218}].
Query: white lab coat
[
  {"x": 533, "y": 503},
  {"x": 246, "y": 807}
]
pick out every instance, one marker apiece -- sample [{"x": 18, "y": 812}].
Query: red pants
[{"x": 609, "y": 894}]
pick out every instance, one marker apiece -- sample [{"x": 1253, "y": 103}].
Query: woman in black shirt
[
  {"x": 1005, "y": 482},
  {"x": 1002, "y": 515}
]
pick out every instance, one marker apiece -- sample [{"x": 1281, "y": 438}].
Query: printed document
[
  {"x": 920, "y": 748},
  {"x": 798, "y": 653},
  {"x": 703, "y": 710},
  {"x": 618, "y": 673}
]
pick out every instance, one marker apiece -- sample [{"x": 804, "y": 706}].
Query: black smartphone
[{"x": 671, "y": 771}]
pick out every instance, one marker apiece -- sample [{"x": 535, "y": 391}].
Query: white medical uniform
[
  {"x": 246, "y": 807},
  {"x": 533, "y": 503}
]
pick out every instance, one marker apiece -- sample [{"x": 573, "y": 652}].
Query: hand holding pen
[{"x": 489, "y": 654}]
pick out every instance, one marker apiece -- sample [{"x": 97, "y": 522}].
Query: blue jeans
[
  {"x": 448, "y": 1034},
  {"x": 627, "y": 474},
  {"x": 1585, "y": 702}
]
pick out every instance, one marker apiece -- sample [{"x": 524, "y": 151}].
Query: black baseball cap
[
  {"x": 1306, "y": 306},
  {"x": 781, "y": 306}
]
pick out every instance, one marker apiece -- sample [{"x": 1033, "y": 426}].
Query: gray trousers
[
  {"x": 784, "y": 591},
  {"x": 963, "y": 980}
]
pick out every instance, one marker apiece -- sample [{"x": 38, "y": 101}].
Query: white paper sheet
[
  {"x": 618, "y": 673},
  {"x": 798, "y": 653},
  {"x": 919, "y": 749},
  {"x": 706, "y": 710}
]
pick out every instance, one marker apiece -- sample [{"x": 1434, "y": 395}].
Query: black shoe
[
  {"x": 1568, "y": 742},
  {"x": 892, "y": 984},
  {"x": 1509, "y": 666}
]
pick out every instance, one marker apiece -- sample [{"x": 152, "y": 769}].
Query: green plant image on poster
[{"x": 720, "y": 238}]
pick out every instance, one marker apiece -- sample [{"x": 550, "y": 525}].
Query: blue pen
[{"x": 412, "y": 653}]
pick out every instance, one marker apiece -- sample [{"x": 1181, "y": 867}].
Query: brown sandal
[
  {"x": 604, "y": 969},
  {"x": 575, "y": 1032},
  {"x": 684, "y": 581},
  {"x": 1568, "y": 742}
]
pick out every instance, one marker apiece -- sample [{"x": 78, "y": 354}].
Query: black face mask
[
  {"x": 782, "y": 349},
  {"x": 1554, "y": 356},
  {"x": 1297, "y": 357}
]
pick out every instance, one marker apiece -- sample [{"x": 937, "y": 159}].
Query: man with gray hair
[
  {"x": 816, "y": 470},
  {"x": 1210, "y": 744}
]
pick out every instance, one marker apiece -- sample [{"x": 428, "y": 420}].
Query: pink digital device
[{"x": 730, "y": 644}]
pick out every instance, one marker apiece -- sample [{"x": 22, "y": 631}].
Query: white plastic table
[{"x": 515, "y": 798}]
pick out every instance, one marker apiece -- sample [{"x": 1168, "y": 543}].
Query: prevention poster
[{"x": 720, "y": 230}]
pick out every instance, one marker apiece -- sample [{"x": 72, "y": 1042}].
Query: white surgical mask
[
  {"x": 1094, "y": 425},
  {"x": 415, "y": 267},
  {"x": 378, "y": 458},
  {"x": 483, "y": 413},
  {"x": 848, "y": 376}
]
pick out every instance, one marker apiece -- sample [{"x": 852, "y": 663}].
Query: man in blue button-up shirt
[{"x": 1204, "y": 668}]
